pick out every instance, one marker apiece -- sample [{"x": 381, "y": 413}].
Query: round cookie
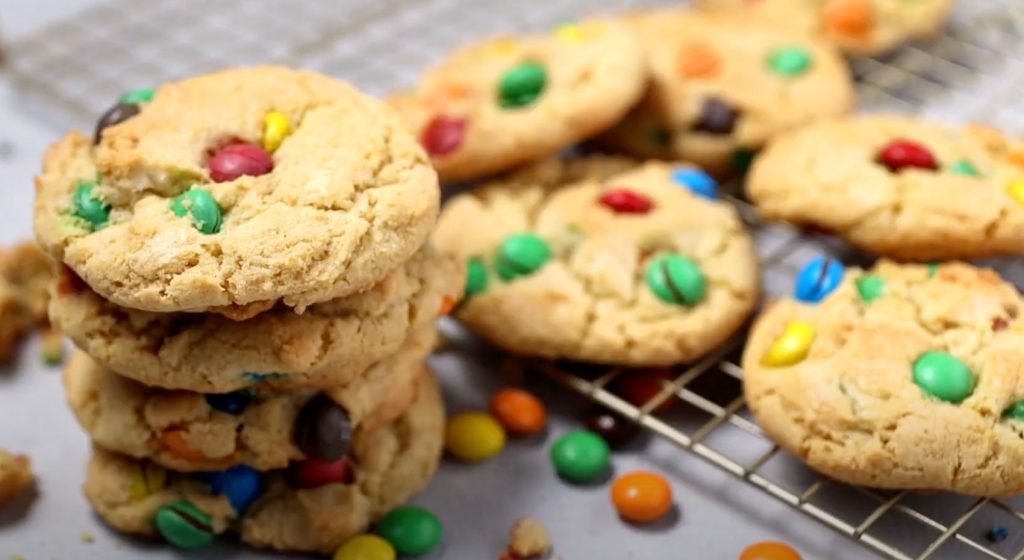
[
  {"x": 855, "y": 26},
  {"x": 904, "y": 376},
  {"x": 894, "y": 186},
  {"x": 327, "y": 345},
  {"x": 633, "y": 270},
  {"x": 722, "y": 86},
  {"x": 245, "y": 187},
  {"x": 385, "y": 468},
  {"x": 259, "y": 426},
  {"x": 511, "y": 100}
]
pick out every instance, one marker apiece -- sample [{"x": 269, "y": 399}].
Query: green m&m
[
  {"x": 143, "y": 95},
  {"x": 790, "y": 61},
  {"x": 676, "y": 279},
  {"x": 581, "y": 456},
  {"x": 184, "y": 525},
  {"x": 964, "y": 167},
  {"x": 476, "y": 276},
  {"x": 943, "y": 376},
  {"x": 88, "y": 206},
  {"x": 1015, "y": 411},
  {"x": 522, "y": 85},
  {"x": 870, "y": 288},
  {"x": 411, "y": 530},
  {"x": 201, "y": 206},
  {"x": 521, "y": 255}
]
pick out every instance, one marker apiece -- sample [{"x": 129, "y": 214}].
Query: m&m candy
[
  {"x": 88, "y": 206},
  {"x": 201, "y": 207},
  {"x": 581, "y": 456},
  {"x": 522, "y": 85},
  {"x": 769, "y": 550},
  {"x": 411, "y": 530},
  {"x": 626, "y": 201},
  {"x": 716, "y": 117},
  {"x": 474, "y": 436},
  {"x": 443, "y": 135},
  {"x": 314, "y": 473},
  {"x": 818, "y": 279},
  {"x": 521, "y": 255},
  {"x": 791, "y": 347},
  {"x": 323, "y": 429},
  {"x": 236, "y": 160},
  {"x": 184, "y": 525},
  {"x": 518, "y": 411},
  {"x": 943, "y": 376},
  {"x": 240, "y": 483},
  {"x": 905, "y": 154},
  {"x": 676, "y": 279},
  {"x": 365, "y": 547},
  {"x": 641, "y": 497}
]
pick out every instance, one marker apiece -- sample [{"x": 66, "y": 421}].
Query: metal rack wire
[{"x": 74, "y": 69}]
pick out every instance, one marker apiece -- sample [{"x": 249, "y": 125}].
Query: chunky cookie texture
[
  {"x": 638, "y": 268},
  {"x": 25, "y": 275},
  {"x": 327, "y": 345},
  {"x": 898, "y": 187},
  {"x": 262, "y": 427},
  {"x": 855, "y": 26},
  {"x": 903, "y": 376},
  {"x": 311, "y": 508},
  {"x": 721, "y": 86},
  {"x": 511, "y": 100},
  {"x": 249, "y": 186}
]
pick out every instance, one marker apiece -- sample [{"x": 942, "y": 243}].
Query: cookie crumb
[
  {"x": 17, "y": 557},
  {"x": 87, "y": 537},
  {"x": 527, "y": 539},
  {"x": 15, "y": 474}
]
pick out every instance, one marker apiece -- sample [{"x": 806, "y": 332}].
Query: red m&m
[
  {"x": 902, "y": 154},
  {"x": 235, "y": 160},
  {"x": 443, "y": 135},
  {"x": 626, "y": 201},
  {"x": 314, "y": 473}
]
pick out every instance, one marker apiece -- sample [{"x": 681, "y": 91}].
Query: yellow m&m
[
  {"x": 147, "y": 479},
  {"x": 474, "y": 436},
  {"x": 791, "y": 347},
  {"x": 366, "y": 547},
  {"x": 276, "y": 127},
  {"x": 1016, "y": 190}
]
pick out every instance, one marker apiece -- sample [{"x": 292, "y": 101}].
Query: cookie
[
  {"x": 260, "y": 426},
  {"x": 722, "y": 86},
  {"x": 16, "y": 320},
  {"x": 511, "y": 100},
  {"x": 641, "y": 268},
  {"x": 903, "y": 376},
  {"x": 310, "y": 508},
  {"x": 248, "y": 186},
  {"x": 894, "y": 186},
  {"x": 29, "y": 271},
  {"x": 327, "y": 345},
  {"x": 855, "y": 26},
  {"x": 15, "y": 475}
]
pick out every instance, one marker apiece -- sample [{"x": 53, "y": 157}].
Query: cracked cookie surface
[
  {"x": 329, "y": 343},
  {"x": 632, "y": 268},
  {"x": 721, "y": 86},
  {"x": 905, "y": 376},
  {"x": 939, "y": 192},
  {"x": 189, "y": 431},
  {"x": 855, "y": 26},
  {"x": 201, "y": 200},
  {"x": 510, "y": 100},
  {"x": 388, "y": 466}
]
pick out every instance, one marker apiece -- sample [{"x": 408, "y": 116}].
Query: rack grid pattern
[{"x": 73, "y": 70}]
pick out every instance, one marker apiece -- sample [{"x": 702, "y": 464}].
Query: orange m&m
[
  {"x": 698, "y": 61},
  {"x": 769, "y": 550},
  {"x": 642, "y": 496},
  {"x": 850, "y": 18},
  {"x": 518, "y": 411}
]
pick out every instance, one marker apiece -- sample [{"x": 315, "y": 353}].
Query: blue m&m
[
  {"x": 818, "y": 279},
  {"x": 699, "y": 182},
  {"x": 241, "y": 484}
]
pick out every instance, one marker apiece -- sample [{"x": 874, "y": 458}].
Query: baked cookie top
[
  {"x": 248, "y": 186},
  {"x": 510, "y": 100},
  {"x": 898, "y": 187},
  {"x": 721, "y": 86},
  {"x": 855, "y": 26},
  {"x": 260, "y": 426},
  {"x": 639, "y": 268},
  {"x": 903, "y": 376},
  {"x": 311, "y": 507},
  {"x": 330, "y": 343}
]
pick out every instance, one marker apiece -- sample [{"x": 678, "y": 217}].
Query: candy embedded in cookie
[
  {"x": 640, "y": 267},
  {"x": 247, "y": 187},
  {"x": 512, "y": 100},
  {"x": 897, "y": 187},
  {"x": 899, "y": 377}
]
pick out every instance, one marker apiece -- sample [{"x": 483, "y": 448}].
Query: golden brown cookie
[
  {"x": 309, "y": 508},
  {"x": 855, "y": 26},
  {"x": 721, "y": 86},
  {"x": 246, "y": 187},
  {"x": 511, "y": 100},
  {"x": 328, "y": 344},
  {"x": 903, "y": 376},
  {"x": 898, "y": 187},
  {"x": 259, "y": 426},
  {"x": 15, "y": 475},
  {"x": 639, "y": 268}
]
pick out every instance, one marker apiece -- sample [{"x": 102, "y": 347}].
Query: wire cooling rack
[{"x": 73, "y": 70}]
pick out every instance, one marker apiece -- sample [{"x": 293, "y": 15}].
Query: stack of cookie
[{"x": 246, "y": 272}]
